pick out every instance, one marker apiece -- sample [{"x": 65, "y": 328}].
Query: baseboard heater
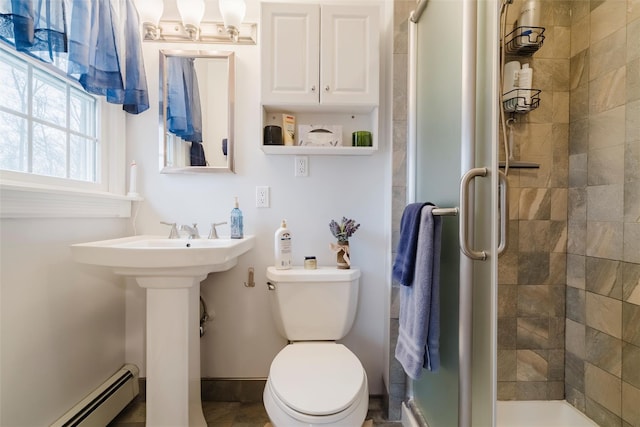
[{"x": 104, "y": 403}]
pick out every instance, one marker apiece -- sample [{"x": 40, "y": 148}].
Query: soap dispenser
[
  {"x": 235, "y": 222},
  {"x": 283, "y": 247}
]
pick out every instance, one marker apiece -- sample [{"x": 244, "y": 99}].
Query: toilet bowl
[{"x": 314, "y": 380}]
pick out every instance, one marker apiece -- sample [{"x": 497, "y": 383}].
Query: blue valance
[{"x": 84, "y": 38}]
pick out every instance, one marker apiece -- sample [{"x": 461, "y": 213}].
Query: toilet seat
[{"x": 330, "y": 377}]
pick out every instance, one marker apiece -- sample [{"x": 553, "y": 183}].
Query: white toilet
[{"x": 314, "y": 380}]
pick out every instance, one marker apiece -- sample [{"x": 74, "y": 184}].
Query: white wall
[
  {"x": 242, "y": 340},
  {"x": 62, "y": 324}
]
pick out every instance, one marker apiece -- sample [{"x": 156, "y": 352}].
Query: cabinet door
[
  {"x": 350, "y": 55},
  {"x": 290, "y": 53}
]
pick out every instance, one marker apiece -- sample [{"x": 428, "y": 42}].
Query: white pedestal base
[{"x": 173, "y": 351}]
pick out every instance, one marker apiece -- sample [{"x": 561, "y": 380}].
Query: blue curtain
[
  {"x": 184, "y": 114},
  {"x": 81, "y": 37}
]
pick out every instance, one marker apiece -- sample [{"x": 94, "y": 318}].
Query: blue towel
[
  {"x": 419, "y": 330},
  {"x": 404, "y": 264}
]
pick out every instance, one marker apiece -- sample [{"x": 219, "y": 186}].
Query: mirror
[{"x": 197, "y": 99}]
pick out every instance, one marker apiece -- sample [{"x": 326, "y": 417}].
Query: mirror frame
[{"x": 231, "y": 85}]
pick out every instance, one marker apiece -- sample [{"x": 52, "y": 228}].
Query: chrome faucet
[
  {"x": 173, "y": 234},
  {"x": 192, "y": 232},
  {"x": 213, "y": 234}
]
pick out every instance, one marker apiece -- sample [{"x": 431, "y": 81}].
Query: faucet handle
[
  {"x": 213, "y": 234},
  {"x": 173, "y": 234}
]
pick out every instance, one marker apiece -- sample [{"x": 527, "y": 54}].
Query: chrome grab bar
[
  {"x": 467, "y": 178},
  {"x": 503, "y": 188}
]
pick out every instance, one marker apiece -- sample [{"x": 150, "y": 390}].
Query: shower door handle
[
  {"x": 465, "y": 247},
  {"x": 503, "y": 187}
]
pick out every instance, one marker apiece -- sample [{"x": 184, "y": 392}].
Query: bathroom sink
[
  {"x": 158, "y": 256},
  {"x": 170, "y": 270}
]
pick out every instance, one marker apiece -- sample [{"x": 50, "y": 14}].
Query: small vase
[{"x": 343, "y": 253}]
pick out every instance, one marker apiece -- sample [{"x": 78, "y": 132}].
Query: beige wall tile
[
  {"x": 604, "y": 388},
  {"x": 576, "y": 271},
  {"x": 604, "y": 314},
  {"x": 535, "y": 203},
  {"x": 575, "y": 338},
  {"x": 632, "y": 123},
  {"x": 604, "y": 203},
  {"x": 630, "y": 407},
  {"x": 608, "y": 54},
  {"x": 631, "y": 251},
  {"x": 607, "y": 91},
  {"x": 580, "y": 32},
  {"x": 607, "y": 129},
  {"x": 559, "y": 198},
  {"x": 633, "y": 41},
  {"x": 604, "y": 351},
  {"x": 606, "y": 167},
  {"x": 531, "y": 366},
  {"x": 631, "y": 284},
  {"x": 607, "y": 18},
  {"x": 604, "y": 239},
  {"x": 633, "y": 10}
]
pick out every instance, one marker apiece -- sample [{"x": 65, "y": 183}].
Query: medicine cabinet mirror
[{"x": 197, "y": 102}]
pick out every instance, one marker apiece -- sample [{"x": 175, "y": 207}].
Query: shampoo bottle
[
  {"x": 236, "y": 222},
  {"x": 525, "y": 82},
  {"x": 283, "y": 247},
  {"x": 510, "y": 79}
]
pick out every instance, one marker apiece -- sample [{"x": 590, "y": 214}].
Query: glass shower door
[{"x": 456, "y": 113}]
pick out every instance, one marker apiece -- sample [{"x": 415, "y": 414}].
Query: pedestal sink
[{"x": 171, "y": 271}]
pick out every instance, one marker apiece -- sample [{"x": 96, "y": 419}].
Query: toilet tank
[{"x": 313, "y": 305}]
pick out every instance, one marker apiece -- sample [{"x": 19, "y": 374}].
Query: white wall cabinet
[
  {"x": 321, "y": 63},
  {"x": 320, "y": 54}
]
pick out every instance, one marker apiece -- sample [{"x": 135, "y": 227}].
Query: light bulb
[
  {"x": 191, "y": 12},
  {"x": 232, "y": 12},
  {"x": 150, "y": 11}
]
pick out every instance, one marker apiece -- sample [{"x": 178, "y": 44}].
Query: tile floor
[{"x": 236, "y": 414}]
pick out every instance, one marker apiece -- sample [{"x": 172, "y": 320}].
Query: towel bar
[{"x": 445, "y": 211}]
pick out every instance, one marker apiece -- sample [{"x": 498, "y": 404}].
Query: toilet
[{"x": 313, "y": 380}]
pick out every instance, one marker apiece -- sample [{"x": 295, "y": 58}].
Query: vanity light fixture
[
  {"x": 150, "y": 12},
  {"x": 192, "y": 28},
  {"x": 232, "y": 13}
]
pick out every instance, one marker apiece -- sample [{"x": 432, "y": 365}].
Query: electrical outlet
[
  {"x": 301, "y": 164},
  {"x": 262, "y": 197}
]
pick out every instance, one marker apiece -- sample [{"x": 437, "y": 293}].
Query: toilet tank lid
[{"x": 320, "y": 274}]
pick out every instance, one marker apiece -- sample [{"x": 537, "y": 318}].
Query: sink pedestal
[
  {"x": 173, "y": 351},
  {"x": 171, "y": 271}
]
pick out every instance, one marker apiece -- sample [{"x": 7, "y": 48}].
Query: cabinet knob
[
  {"x": 313, "y": 88},
  {"x": 326, "y": 88}
]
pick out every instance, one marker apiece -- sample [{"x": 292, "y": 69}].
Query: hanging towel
[
  {"x": 404, "y": 264},
  {"x": 419, "y": 330}
]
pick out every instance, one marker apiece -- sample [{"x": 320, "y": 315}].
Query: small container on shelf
[
  {"x": 521, "y": 100},
  {"x": 524, "y": 41}
]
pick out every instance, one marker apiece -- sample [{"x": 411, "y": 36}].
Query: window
[
  {"x": 49, "y": 125},
  {"x": 61, "y": 149}
]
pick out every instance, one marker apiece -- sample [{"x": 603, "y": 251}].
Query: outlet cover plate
[
  {"x": 301, "y": 164},
  {"x": 262, "y": 197}
]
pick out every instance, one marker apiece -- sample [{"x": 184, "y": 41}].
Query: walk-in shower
[{"x": 566, "y": 311}]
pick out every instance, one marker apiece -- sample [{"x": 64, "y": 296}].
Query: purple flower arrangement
[{"x": 344, "y": 230}]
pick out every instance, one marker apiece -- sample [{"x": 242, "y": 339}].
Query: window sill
[{"x": 18, "y": 200}]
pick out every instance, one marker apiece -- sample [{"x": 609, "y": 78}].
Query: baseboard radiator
[{"x": 105, "y": 402}]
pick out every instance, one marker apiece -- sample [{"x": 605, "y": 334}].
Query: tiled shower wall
[
  {"x": 602, "y": 362},
  {"x": 575, "y": 226},
  {"x": 531, "y": 273}
]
